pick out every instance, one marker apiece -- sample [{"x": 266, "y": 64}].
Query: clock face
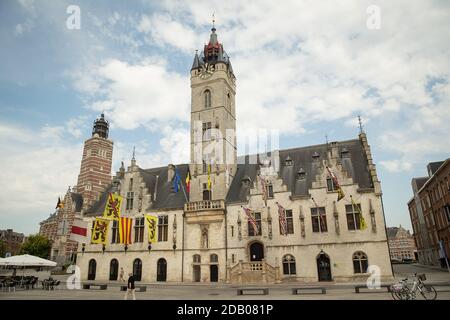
[{"x": 206, "y": 72}]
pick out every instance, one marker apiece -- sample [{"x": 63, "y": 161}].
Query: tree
[
  {"x": 2, "y": 249},
  {"x": 36, "y": 245}
]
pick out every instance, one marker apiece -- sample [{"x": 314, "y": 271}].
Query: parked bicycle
[{"x": 408, "y": 291}]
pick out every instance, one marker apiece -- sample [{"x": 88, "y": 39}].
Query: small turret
[{"x": 101, "y": 127}]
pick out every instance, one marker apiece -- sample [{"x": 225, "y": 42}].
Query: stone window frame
[
  {"x": 289, "y": 265},
  {"x": 360, "y": 262},
  {"x": 163, "y": 228},
  {"x": 319, "y": 219}
]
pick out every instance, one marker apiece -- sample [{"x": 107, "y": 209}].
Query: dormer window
[
  {"x": 246, "y": 181},
  {"x": 301, "y": 174},
  {"x": 288, "y": 161},
  {"x": 345, "y": 153},
  {"x": 315, "y": 156}
]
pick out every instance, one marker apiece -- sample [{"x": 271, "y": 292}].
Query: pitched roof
[
  {"x": 158, "y": 187},
  {"x": 78, "y": 199},
  {"x": 392, "y": 232},
  {"x": 302, "y": 160}
]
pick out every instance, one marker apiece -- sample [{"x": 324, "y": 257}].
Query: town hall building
[{"x": 204, "y": 235}]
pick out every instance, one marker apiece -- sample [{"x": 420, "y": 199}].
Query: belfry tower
[
  {"x": 95, "y": 171},
  {"x": 213, "y": 122}
]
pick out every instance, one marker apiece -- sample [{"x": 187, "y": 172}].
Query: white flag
[{"x": 78, "y": 232}]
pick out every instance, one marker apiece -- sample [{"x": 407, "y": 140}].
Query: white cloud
[
  {"x": 396, "y": 165},
  {"x": 37, "y": 167},
  {"x": 163, "y": 30},
  {"x": 144, "y": 94}
]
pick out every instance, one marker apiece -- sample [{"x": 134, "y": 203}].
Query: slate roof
[
  {"x": 78, "y": 199},
  {"x": 392, "y": 232},
  {"x": 302, "y": 160},
  {"x": 355, "y": 163},
  {"x": 159, "y": 187}
]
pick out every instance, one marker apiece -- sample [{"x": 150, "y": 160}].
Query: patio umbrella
[{"x": 26, "y": 260}]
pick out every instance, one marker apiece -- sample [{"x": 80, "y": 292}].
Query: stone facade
[
  {"x": 430, "y": 214},
  {"x": 204, "y": 235},
  {"x": 401, "y": 244}
]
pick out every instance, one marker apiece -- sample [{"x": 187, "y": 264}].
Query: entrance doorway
[
  {"x": 161, "y": 270},
  {"x": 256, "y": 251},
  {"x": 324, "y": 267},
  {"x": 197, "y": 274},
  {"x": 214, "y": 273}
]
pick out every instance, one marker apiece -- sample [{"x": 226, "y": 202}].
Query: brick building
[
  {"x": 94, "y": 177},
  {"x": 401, "y": 243},
  {"x": 429, "y": 210},
  {"x": 13, "y": 240}
]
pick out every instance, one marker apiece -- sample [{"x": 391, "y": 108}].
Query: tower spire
[{"x": 213, "y": 22}]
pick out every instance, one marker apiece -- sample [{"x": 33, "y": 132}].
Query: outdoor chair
[{"x": 11, "y": 284}]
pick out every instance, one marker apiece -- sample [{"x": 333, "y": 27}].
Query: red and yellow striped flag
[{"x": 125, "y": 230}]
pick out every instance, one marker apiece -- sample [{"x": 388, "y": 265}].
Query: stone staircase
[{"x": 253, "y": 272}]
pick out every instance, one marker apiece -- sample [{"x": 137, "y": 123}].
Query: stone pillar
[
  {"x": 240, "y": 272},
  {"x": 264, "y": 270}
]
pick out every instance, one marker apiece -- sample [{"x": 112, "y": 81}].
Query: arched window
[
  {"x": 207, "y": 95},
  {"x": 289, "y": 265},
  {"x": 197, "y": 258},
  {"x": 161, "y": 270},
  {"x": 213, "y": 258},
  {"x": 360, "y": 262},
  {"x": 113, "y": 269},
  {"x": 92, "y": 269},
  {"x": 228, "y": 100},
  {"x": 137, "y": 269}
]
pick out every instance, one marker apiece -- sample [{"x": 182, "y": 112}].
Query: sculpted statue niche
[{"x": 204, "y": 238}]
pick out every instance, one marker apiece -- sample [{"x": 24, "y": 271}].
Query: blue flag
[{"x": 176, "y": 181}]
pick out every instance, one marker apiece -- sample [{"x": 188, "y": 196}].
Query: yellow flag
[
  {"x": 112, "y": 208},
  {"x": 362, "y": 222},
  {"x": 100, "y": 231},
  {"x": 209, "y": 177},
  {"x": 152, "y": 222}
]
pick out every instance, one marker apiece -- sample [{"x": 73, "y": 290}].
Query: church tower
[
  {"x": 213, "y": 122},
  {"x": 95, "y": 171}
]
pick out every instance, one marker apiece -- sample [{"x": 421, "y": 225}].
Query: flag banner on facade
[
  {"x": 282, "y": 219},
  {"x": 209, "y": 177},
  {"x": 125, "y": 230},
  {"x": 100, "y": 231},
  {"x": 112, "y": 208},
  {"x": 251, "y": 219},
  {"x": 340, "y": 192},
  {"x": 188, "y": 182},
  {"x": 59, "y": 204},
  {"x": 78, "y": 231},
  {"x": 176, "y": 181},
  {"x": 263, "y": 189},
  {"x": 152, "y": 223},
  {"x": 362, "y": 222}
]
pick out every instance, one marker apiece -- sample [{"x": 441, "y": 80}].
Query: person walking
[
  {"x": 121, "y": 276},
  {"x": 130, "y": 287}
]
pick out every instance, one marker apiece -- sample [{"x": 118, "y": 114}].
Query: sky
[{"x": 304, "y": 68}]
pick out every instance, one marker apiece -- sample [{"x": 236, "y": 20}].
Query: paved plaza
[{"x": 158, "y": 291}]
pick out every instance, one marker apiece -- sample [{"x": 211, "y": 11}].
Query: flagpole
[{"x": 182, "y": 187}]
